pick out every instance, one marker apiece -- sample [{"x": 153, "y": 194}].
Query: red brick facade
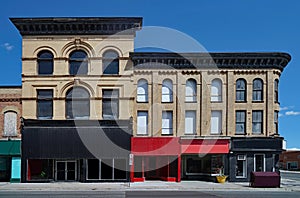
[
  {"x": 10, "y": 101},
  {"x": 290, "y": 160}
]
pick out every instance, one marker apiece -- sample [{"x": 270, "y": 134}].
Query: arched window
[
  {"x": 216, "y": 90},
  {"x": 10, "y": 123},
  {"x": 191, "y": 90},
  {"x": 167, "y": 91},
  {"x": 240, "y": 92},
  {"x": 257, "y": 94},
  {"x": 77, "y": 103},
  {"x": 110, "y": 62},
  {"x": 142, "y": 91},
  {"x": 45, "y": 62},
  {"x": 78, "y": 62},
  {"x": 276, "y": 83}
]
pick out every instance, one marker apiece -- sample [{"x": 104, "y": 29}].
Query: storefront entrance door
[{"x": 66, "y": 171}]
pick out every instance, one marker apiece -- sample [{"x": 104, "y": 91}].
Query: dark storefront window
[
  {"x": 40, "y": 170},
  {"x": 44, "y": 104},
  {"x": 5, "y": 169},
  {"x": 210, "y": 164},
  {"x": 259, "y": 163},
  {"x": 106, "y": 169},
  {"x": 241, "y": 166},
  {"x": 110, "y": 104}
]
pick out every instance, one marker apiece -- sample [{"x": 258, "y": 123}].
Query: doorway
[{"x": 66, "y": 171}]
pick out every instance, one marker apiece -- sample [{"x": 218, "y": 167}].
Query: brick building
[
  {"x": 10, "y": 139},
  {"x": 290, "y": 160},
  {"x": 95, "y": 110}
]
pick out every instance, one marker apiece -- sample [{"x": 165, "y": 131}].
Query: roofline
[
  {"x": 243, "y": 60},
  {"x": 77, "y": 25}
]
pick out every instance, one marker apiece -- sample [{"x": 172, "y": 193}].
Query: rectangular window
[
  {"x": 10, "y": 123},
  {"x": 167, "y": 123},
  {"x": 216, "y": 122},
  {"x": 257, "y": 122},
  {"x": 44, "y": 104},
  {"x": 190, "y": 122},
  {"x": 259, "y": 162},
  {"x": 241, "y": 166},
  {"x": 276, "y": 122},
  {"x": 93, "y": 169},
  {"x": 142, "y": 123},
  {"x": 240, "y": 122},
  {"x": 110, "y": 104}
]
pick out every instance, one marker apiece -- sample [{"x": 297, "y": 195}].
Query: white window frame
[
  {"x": 142, "y": 91},
  {"x": 193, "y": 116},
  {"x": 142, "y": 130},
  {"x": 167, "y": 119},
  {"x": 264, "y": 162},
  {"x": 219, "y": 123},
  {"x": 191, "y": 90},
  {"x": 216, "y": 90},
  {"x": 167, "y": 91},
  {"x": 244, "y": 165}
]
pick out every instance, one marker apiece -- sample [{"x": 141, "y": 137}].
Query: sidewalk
[{"x": 148, "y": 185}]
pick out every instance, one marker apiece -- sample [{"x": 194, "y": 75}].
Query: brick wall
[{"x": 10, "y": 100}]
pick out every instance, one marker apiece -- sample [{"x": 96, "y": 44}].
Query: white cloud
[
  {"x": 286, "y": 108},
  {"x": 292, "y": 113},
  {"x": 8, "y": 46},
  {"x": 293, "y": 149},
  {"x": 280, "y": 115}
]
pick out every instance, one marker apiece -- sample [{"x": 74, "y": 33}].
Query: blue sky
[{"x": 219, "y": 25}]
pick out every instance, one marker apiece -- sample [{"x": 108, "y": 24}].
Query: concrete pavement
[{"x": 138, "y": 186}]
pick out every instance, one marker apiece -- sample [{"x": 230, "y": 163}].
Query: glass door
[{"x": 66, "y": 171}]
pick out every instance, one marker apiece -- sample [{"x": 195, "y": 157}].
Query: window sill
[
  {"x": 216, "y": 101},
  {"x": 167, "y": 134},
  {"x": 167, "y": 102},
  {"x": 146, "y": 102},
  {"x": 240, "y": 101},
  {"x": 191, "y": 102},
  {"x": 257, "y": 101}
]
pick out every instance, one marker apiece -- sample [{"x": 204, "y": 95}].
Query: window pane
[
  {"x": 142, "y": 123},
  {"x": 241, "y": 168},
  {"x": 167, "y": 123},
  {"x": 10, "y": 123},
  {"x": 45, "y": 62},
  {"x": 142, "y": 91},
  {"x": 167, "y": 91},
  {"x": 78, "y": 63},
  {"x": 259, "y": 163},
  {"x": 93, "y": 169},
  {"x": 78, "y": 103},
  {"x": 190, "y": 91},
  {"x": 190, "y": 122},
  {"x": 110, "y": 104},
  {"x": 216, "y": 122},
  {"x": 110, "y": 62},
  {"x": 240, "y": 125},
  {"x": 216, "y": 90},
  {"x": 45, "y": 104}
]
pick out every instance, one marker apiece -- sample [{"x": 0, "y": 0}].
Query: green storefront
[{"x": 10, "y": 160}]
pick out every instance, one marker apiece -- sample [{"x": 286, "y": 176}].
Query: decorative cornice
[
  {"x": 78, "y": 25},
  {"x": 242, "y": 60}
]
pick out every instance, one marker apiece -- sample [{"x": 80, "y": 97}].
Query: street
[{"x": 149, "y": 194}]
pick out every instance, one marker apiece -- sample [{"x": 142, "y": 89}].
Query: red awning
[
  {"x": 151, "y": 146},
  {"x": 195, "y": 146}
]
